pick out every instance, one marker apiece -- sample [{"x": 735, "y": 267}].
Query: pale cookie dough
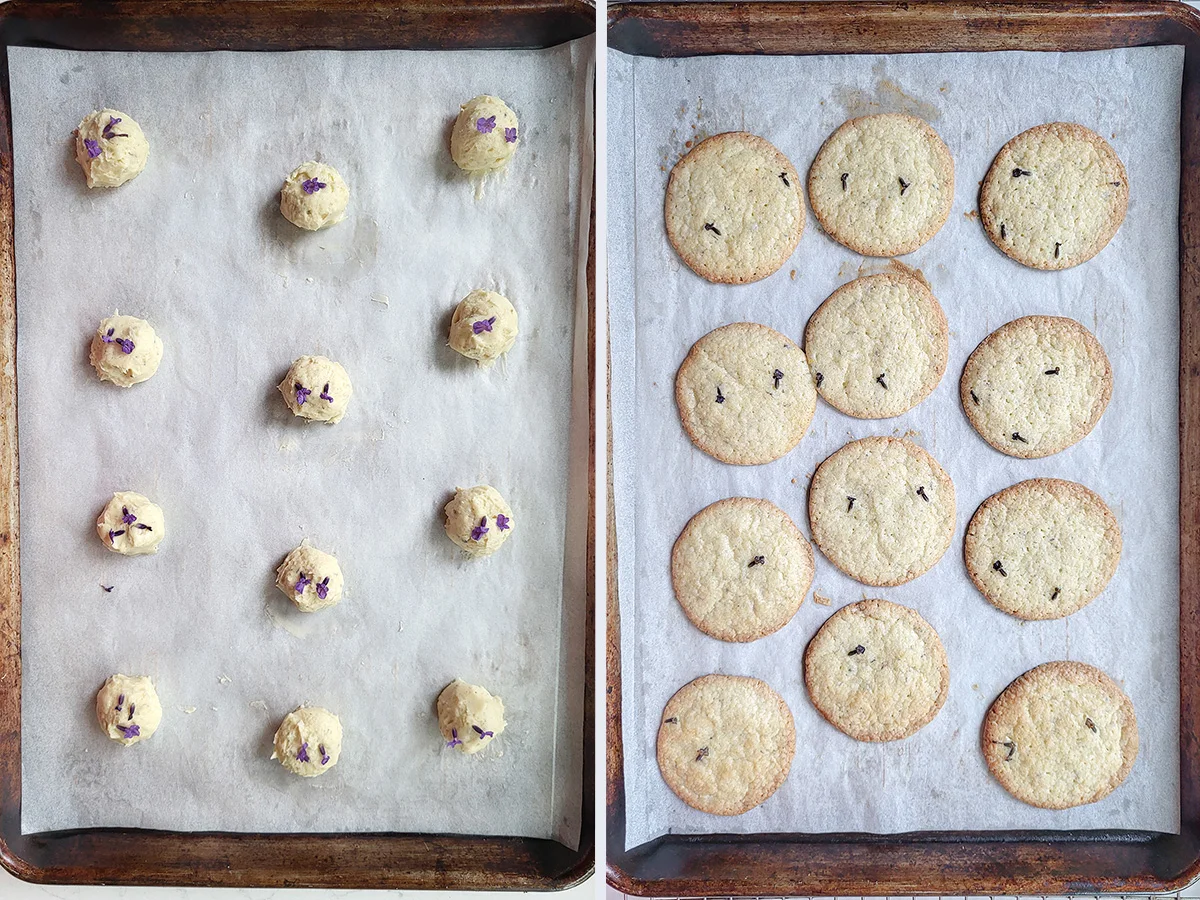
[
  {"x": 484, "y": 326},
  {"x": 468, "y": 716},
  {"x": 125, "y": 350},
  {"x": 877, "y": 671},
  {"x": 882, "y": 510},
  {"x": 734, "y": 208},
  {"x": 882, "y": 185},
  {"x": 741, "y": 568},
  {"x": 1062, "y": 735},
  {"x": 1042, "y": 549},
  {"x": 310, "y": 578},
  {"x": 127, "y": 708},
  {"x": 878, "y": 346},
  {"x": 131, "y": 525},
  {"x": 485, "y": 135},
  {"x": 1054, "y": 196},
  {"x": 1036, "y": 386},
  {"x": 317, "y": 389},
  {"x": 478, "y": 520},
  {"x": 314, "y": 196},
  {"x": 725, "y": 743},
  {"x": 309, "y": 741},
  {"x": 110, "y": 148},
  {"x": 745, "y": 394}
]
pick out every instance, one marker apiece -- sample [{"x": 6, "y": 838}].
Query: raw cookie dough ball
[
  {"x": 484, "y": 326},
  {"x": 317, "y": 389},
  {"x": 110, "y": 148},
  {"x": 485, "y": 135},
  {"x": 310, "y": 578},
  {"x": 127, "y": 708},
  {"x": 308, "y": 741},
  {"x": 314, "y": 196},
  {"x": 478, "y": 520},
  {"x": 131, "y": 525},
  {"x": 125, "y": 350},
  {"x": 468, "y": 716}
]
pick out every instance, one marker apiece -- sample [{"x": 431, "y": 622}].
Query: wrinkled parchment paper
[
  {"x": 1128, "y": 296},
  {"x": 196, "y": 245}
]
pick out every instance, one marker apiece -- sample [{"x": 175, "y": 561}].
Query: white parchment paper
[
  {"x": 196, "y": 244},
  {"x": 1128, "y": 296}
]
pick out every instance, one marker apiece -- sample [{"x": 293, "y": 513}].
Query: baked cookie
[
  {"x": 310, "y": 578},
  {"x": 1062, "y": 735},
  {"x": 308, "y": 741},
  {"x": 878, "y": 346},
  {"x": 484, "y": 327},
  {"x": 1042, "y": 549},
  {"x": 469, "y": 716},
  {"x": 734, "y": 208},
  {"x": 131, "y": 525},
  {"x": 1054, "y": 196},
  {"x": 317, "y": 389},
  {"x": 741, "y": 569},
  {"x": 1037, "y": 385},
  {"x": 882, "y": 510},
  {"x": 484, "y": 138},
  {"x": 128, "y": 709},
  {"x": 725, "y": 743},
  {"x": 110, "y": 148},
  {"x": 877, "y": 671},
  {"x": 882, "y": 185},
  {"x": 745, "y": 394},
  {"x": 125, "y": 350},
  {"x": 478, "y": 520},
  {"x": 314, "y": 196}
]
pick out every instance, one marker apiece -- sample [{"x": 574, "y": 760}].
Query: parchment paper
[
  {"x": 196, "y": 245},
  {"x": 1128, "y": 296}
]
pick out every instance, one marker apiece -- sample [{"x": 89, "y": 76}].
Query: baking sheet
[
  {"x": 1128, "y": 296},
  {"x": 196, "y": 244}
]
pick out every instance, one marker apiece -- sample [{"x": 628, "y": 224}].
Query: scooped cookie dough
[
  {"x": 317, "y": 389},
  {"x": 485, "y": 135},
  {"x": 308, "y": 741},
  {"x": 131, "y": 525},
  {"x": 314, "y": 196},
  {"x": 484, "y": 326},
  {"x": 125, "y": 350},
  {"x": 468, "y": 716},
  {"x": 127, "y": 708},
  {"x": 110, "y": 148},
  {"x": 310, "y": 578},
  {"x": 478, "y": 520}
]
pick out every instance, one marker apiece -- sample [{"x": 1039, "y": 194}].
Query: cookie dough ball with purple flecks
[
  {"x": 478, "y": 520},
  {"x": 485, "y": 135},
  {"x": 314, "y": 196},
  {"x": 310, "y": 578},
  {"x": 125, "y": 350},
  {"x": 469, "y": 717},
  {"x": 127, "y": 708},
  {"x": 131, "y": 525},
  {"x": 308, "y": 741},
  {"x": 110, "y": 148},
  {"x": 484, "y": 326},
  {"x": 317, "y": 389}
]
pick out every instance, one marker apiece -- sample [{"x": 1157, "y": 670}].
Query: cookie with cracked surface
[
  {"x": 882, "y": 185},
  {"x": 1042, "y": 549},
  {"x": 878, "y": 345},
  {"x": 877, "y": 671},
  {"x": 882, "y": 510},
  {"x": 1054, "y": 196},
  {"x": 734, "y": 208},
  {"x": 1036, "y": 386},
  {"x": 741, "y": 568},
  {"x": 1062, "y": 735},
  {"x": 725, "y": 743},
  {"x": 745, "y": 394}
]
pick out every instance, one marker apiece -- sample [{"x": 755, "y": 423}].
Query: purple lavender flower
[
  {"x": 323, "y": 588},
  {"x": 302, "y": 582},
  {"x": 312, "y": 186},
  {"x": 485, "y": 126},
  {"x": 482, "y": 734},
  {"x": 126, "y": 345},
  {"x": 502, "y": 522},
  {"x": 126, "y": 516},
  {"x": 510, "y": 135},
  {"x": 120, "y": 702},
  {"x": 303, "y": 754},
  {"x": 483, "y": 325},
  {"x": 479, "y": 530},
  {"x": 325, "y": 393},
  {"x": 454, "y": 741},
  {"x": 324, "y": 755},
  {"x": 129, "y": 731},
  {"x": 113, "y": 535},
  {"x": 301, "y": 394},
  {"x": 108, "y": 129},
  {"x": 93, "y": 147},
  {"x": 108, "y": 336}
]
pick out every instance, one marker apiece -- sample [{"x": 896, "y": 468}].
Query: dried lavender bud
[
  {"x": 1002, "y": 231},
  {"x": 881, "y": 381},
  {"x": 1012, "y": 748},
  {"x": 783, "y": 175},
  {"x": 1017, "y": 437},
  {"x": 975, "y": 397},
  {"x": 709, "y": 226},
  {"x": 820, "y": 378},
  {"x": 998, "y": 566},
  {"x": 132, "y": 706},
  {"x": 113, "y": 535},
  {"x": 454, "y": 741},
  {"x": 850, "y": 505},
  {"x": 120, "y": 702},
  {"x": 302, "y": 754},
  {"x": 107, "y": 588},
  {"x": 857, "y": 651},
  {"x": 323, "y": 588},
  {"x": 778, "y": 377},
  {"x": 129, "y": 731},
  {"x": 483, "y": 325},
  {"x": 324, "y": 755},
  {"x": 301, "y": 394},
  {"x": 485, "y": 126},
  {"x": 126, "y": 516},
  {"x": 1018, "y": 172},
  {"x": 1053, "y": 371},
  {"x": 325, "y": 395},
  {"x": 479, "y": 530},
  {"x": 482, "y": 734},
  {"x": 302, "y": 582},
  {"x": 1054, "y": 596},
  {"x": 845, "y": 175},
  {"x": 757, "y": 561},
  {"x": 720, "y": 396},
  {"x": 139, "y": 525},
  {"x": 903, "y": 186},
  {"x": 703, "y": 753},
  {"x": 921, "y": 493},
  {"x": 674, "y": 720},
  {"x": 93, "y": 147},
  {"x": 1090, "y": 724},
  {"x": 510, "y": 135},
  {"x": 502, "y": 522},
  {"x": 311, "y": 186},
  {"x": 1057, "y": 244}
]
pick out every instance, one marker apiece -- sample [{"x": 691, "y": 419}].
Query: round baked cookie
[
  {"x": 308, "y": 741},
  {"x": 484, "y": 326},
  {"x": 1062, "y": 735},
  {"x": 882, "y": 510},
  {"x": 316, "y": 388},
  {"x": 882, "y": 185},
  {"x": 478, "y": 520},
  {"x": 131, "y": 525},
  {"x": 877, "y": 671},
  {"x": 745, "y": 394},
  {"x": 125, "y": 350},
  {"x": 734, "y": 208},
  {"x": 310, "y": 578},
  {"x": 878, "y": 346},
  {"x": 469, "y": 716},
  {"x": 127, "y": 708},
  {"x": 725, "y": 743},
  {"x": 484, "y": 138},
  {"x": 1042, "y": 549},
  {"x": 314, "y": 196},
  {"x": 110, "y": 148},
  {"x": 1054, "y": 196},
  {"x": 741, "y": 568},
  {"x": 1036, "y": 386}
]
